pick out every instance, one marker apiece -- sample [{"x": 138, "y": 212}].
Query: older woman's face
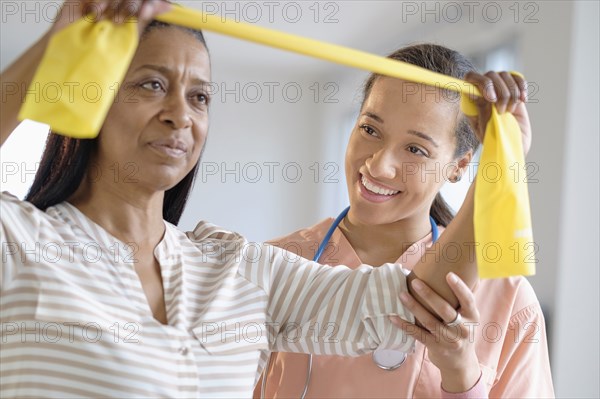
[{"x": 154, "y": 133}]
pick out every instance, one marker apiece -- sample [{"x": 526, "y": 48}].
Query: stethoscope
[{"x": 386, "y": 359}]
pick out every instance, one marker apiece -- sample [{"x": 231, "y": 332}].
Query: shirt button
[{"x": 183, "y": 350}]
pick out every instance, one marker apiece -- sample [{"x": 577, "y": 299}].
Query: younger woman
[{"x": 406, "y": 143}]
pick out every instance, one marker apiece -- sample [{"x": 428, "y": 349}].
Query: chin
[
  {"x": 163, "y": 183},
  {"x": 167, "y": 177},
  {"x": 367, "y": 214}
]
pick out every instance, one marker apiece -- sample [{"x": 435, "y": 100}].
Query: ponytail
[{"x": 440, "y": 211}]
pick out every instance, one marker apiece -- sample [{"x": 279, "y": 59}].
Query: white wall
[
  {"x": 576, "y": 325},
  {"x": 255, "y": 175}
]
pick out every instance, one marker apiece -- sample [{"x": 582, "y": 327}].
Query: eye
[
  {"x": 201, "y": 98},
  {"x": 369, "y": 130},
  {"x": 153, "y": 85},
  {"x": 417, "y": 151}
]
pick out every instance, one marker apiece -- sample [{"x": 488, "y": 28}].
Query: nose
[
  {"x": 383, "y": 164},
  {"x": 175, "y": 111}
]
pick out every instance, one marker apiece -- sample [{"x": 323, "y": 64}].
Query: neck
[
  {"x": 384, "y": 243},
  {"x": 130, "y": 213}
]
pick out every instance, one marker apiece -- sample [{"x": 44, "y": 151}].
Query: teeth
[{"x": 376, "y": 189}]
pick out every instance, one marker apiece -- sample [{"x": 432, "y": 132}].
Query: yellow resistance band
[{"x": 78, "y": 80}]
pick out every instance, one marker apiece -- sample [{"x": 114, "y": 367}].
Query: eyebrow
[
  {"x": 409, "y": 131},
  {"x": 374, "y": 116},
  {"x": 167, "y": 71},
  {"x": 423, "y": 136}
]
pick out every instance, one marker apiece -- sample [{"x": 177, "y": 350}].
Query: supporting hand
[{"x": 451, "y": 347}]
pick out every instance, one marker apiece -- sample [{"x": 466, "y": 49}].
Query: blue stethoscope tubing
[
  {"x": 318, "y": 254},
  {"x": 327, "y": 237},
  {"x": 342, "y": 215}
]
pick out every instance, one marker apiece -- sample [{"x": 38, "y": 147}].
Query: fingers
[
  {"x": 94, "y": 8},
  {"x": 485, "y": 86},
  {"x": 514, "y": 91},
  {"x": 442, "y": 309},
  {"x": 484, "y": 109},
  {"x": 418, "y": 333},
  {"x": 522, "y": 83},
  {"x": 118, "y": 11},
  {"x": 115, "y": 11},
  {"x": 504, "y": 89},
  {"x": 121, "y": 11},
  {"x": 466, "y": 299},
  {"x": 151, "y": 9},
  {"x": 501, "y": 91}
]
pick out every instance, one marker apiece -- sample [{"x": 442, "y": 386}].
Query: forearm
[
  {"x": 15, "y": 81},
  {"x": 453, "y": 252}
]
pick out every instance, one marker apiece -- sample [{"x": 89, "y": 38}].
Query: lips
[
  {"x": 375, "y": 188},
  {"x": 375, "y": 192},
  {"x": 169, "y": 147}
]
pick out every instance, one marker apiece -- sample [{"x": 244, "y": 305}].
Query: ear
[
  {"x": 465, "y": 160},
  {"x": 461, "y": 166}
]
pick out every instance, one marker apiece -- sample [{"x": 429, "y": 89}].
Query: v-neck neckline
[
  {"x": 163, "y": 253},
  {"x": 342, "y": 245}
]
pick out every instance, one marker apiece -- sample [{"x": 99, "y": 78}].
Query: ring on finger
[{"x": 457, "y": 320}]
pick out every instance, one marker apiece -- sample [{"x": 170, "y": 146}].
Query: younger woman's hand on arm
[{"x": 450, "y": 348}]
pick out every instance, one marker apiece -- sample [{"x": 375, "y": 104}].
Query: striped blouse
[{"x": 75, "y": 321}]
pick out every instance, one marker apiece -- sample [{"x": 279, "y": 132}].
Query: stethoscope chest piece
[{"x": 389, "y": 359}]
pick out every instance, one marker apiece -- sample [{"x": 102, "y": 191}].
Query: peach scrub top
[{"x": 510, "y": 341}]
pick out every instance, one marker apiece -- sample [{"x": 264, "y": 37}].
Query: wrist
[{"x": 461, "y": 380}]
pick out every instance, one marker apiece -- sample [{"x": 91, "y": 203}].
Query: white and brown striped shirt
[{"x": 75, "y": 321}]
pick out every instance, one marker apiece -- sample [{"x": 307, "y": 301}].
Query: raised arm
[
  {"x": 508, "y": 93},
  {"x": 16, "y": 79},
  {"x": 14, "y": 82}
]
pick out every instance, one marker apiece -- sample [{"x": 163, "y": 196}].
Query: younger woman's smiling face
[{"x": 401, "y": 151}]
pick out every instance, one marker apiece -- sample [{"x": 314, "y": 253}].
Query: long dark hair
[
  {"x": 66, "y": 160},
  {"x": 448, "y": 62}
]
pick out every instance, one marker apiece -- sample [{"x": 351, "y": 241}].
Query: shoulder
[
  {"x": 303, "y": 242},
  {"x": 12, "y": 204},
  {"x": 205, "y": 231},
  {"x": 207, "y": 248},
  {"x": 21, "y": 219},
  {"x": 312, "y": 233}
]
